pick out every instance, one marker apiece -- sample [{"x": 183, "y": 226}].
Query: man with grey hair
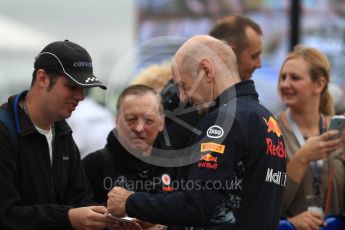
[
  {"x": 244, "y": 36},
  {"x": 239, "y": 160},
  {"x": 126, "y": 160}
]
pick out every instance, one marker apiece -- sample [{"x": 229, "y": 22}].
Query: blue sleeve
[
  {"x": 183, "y": 208},
  {"x": 209, "y": 181}
]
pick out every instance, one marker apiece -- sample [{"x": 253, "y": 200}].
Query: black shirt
[
  {"x": 35, "y": 193},
  {"x": 122, "y": 169}
]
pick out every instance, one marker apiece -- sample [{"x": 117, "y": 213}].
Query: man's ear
[
  {"x": 161, "y": 122},
  {"x": 117, "y": 118},
  {"x": 42, "y": 79},
  {"x": 232, "y": 46},
  {"x": 207, "y": 67}
]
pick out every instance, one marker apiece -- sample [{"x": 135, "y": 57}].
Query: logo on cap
[
  {"x": 71, "y": 60},
  {"x": 82, "y": 64},
  {"x": 91, "y": 79}
]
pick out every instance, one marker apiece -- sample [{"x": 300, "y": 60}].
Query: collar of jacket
[
  {"x": 23, "y": 123},
  {"x": 122, "y": 157},
  {"x": 242, "y": 88}
]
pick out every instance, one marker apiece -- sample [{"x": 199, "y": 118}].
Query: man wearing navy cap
[{"x": 43, "y": 185}]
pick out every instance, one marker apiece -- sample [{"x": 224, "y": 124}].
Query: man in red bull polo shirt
[{"x": 238, "y": 184}]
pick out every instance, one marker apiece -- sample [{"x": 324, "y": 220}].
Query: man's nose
[
  {"x": 284, "y": 82},
  {"x": 139, "y": 127},
  {"x": 258, "y": 63}
]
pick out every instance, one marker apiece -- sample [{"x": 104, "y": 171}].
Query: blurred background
[{"x": 124, "y": 36}]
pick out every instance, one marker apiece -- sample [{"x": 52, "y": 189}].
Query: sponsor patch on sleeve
[
  {"x": 215, "y": 131},
  {"x": 208, "y": 161},
  {"x": 213, "y": 147},
  {"x": 272, "y": 126}
]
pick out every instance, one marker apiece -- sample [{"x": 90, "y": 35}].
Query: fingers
[
  {"x": 115, "y": 190},
  {"x": 307, "y": 223},
  {"x": 317, "y": 218},
  {"x": 313, "y": 220},
  {"x": 91, "y": 217},
  {"x": 116, "y": 208},
  {"x": 331, "y": 134},
  {"x": 98, "y": 217},
  {"x": 331, "y": 141},
  {"x": 99, "y": 209},
  {"x": 312, "y": 224},
  {"x": 332, "y": 145},
  {"x": 307, "y": 220}
]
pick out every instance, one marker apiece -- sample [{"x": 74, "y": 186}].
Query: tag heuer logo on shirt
[{"x": 215, "y": 131}]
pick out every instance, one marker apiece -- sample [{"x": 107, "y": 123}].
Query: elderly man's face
[
  {"x": 193, "y": 89},
  {"x": 139, "y": 121}
]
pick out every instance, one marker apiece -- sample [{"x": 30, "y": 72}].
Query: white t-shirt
[{"x": 49, "y": 137}]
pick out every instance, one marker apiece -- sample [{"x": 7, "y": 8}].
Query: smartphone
[
  {"x": 337, "y": 123},
  {"x": 123, "y": 219}
]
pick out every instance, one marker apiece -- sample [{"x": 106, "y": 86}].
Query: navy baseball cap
[{"x": 71, "y": 60}]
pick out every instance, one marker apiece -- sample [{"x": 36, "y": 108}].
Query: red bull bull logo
[
  {"x": 272, "y": 126},
  {"x": 209, "y": 158}
]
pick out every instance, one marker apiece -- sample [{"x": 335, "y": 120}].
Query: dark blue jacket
[{"x": 238, "y": 178}]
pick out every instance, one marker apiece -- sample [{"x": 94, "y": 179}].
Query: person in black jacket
[
  {"x": 43, "y": 184},
  {"x": 125, "y": 160},
  {"x": 238, "y": 176}
]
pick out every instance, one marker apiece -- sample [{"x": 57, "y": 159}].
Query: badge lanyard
[{"x": 315, "y": 165}]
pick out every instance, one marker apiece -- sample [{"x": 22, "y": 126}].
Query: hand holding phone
[{"x": 337, "y": 123}]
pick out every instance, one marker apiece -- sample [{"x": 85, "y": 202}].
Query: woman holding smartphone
[{"x": 316, "y": 157}]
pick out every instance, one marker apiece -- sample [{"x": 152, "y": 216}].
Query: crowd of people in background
[{"x": 236, "y": 165}]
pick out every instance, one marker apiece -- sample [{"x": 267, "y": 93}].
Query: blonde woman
[{"x": 316, "y": 157}]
